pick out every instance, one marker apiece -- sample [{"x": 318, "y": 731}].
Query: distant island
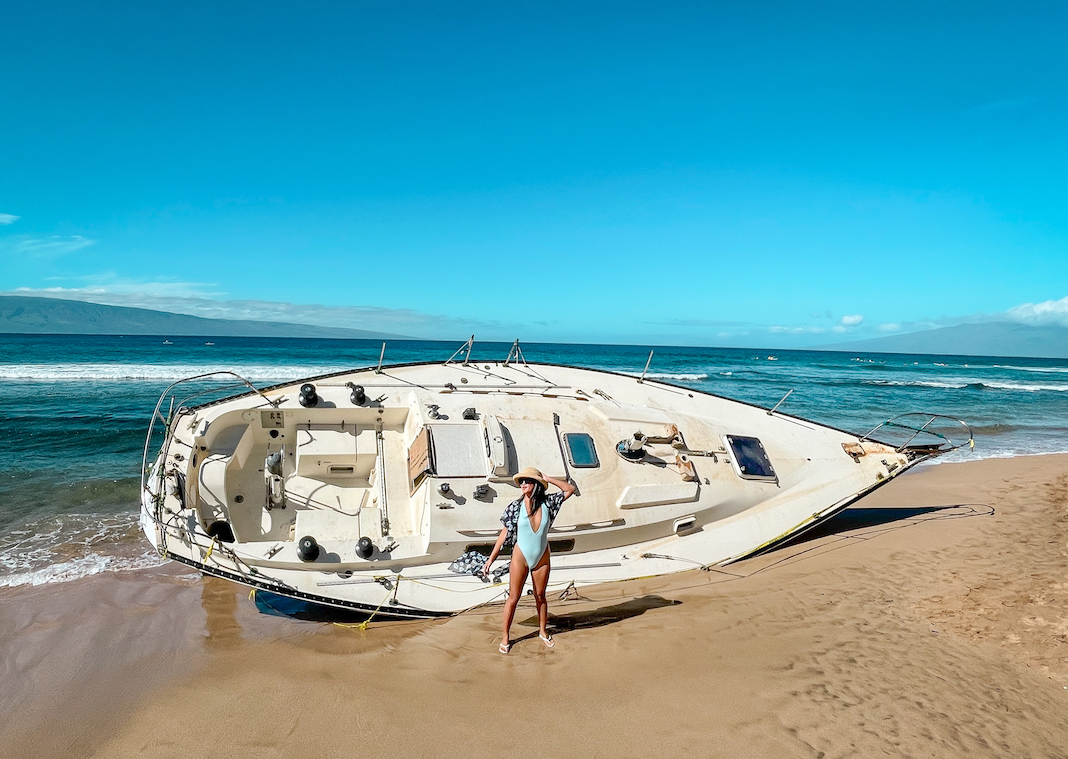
[
  {"x": 987, "y": 339},
  {"x": 55, "y": 316}
]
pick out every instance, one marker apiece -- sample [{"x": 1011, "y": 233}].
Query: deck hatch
[
  {"x": 581, "y": 451},
  {"x": 458, "y": 450},
  {"x": 750, "y": 459}
]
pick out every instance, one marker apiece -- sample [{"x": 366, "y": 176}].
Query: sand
[{"x": 931, "y": 619}]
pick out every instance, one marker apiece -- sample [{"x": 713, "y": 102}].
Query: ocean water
[{"x": 74, "y": 411}]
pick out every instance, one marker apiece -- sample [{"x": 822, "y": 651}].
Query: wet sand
[{"x": 929, "y": 620}]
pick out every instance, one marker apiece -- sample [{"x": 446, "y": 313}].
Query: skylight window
[
  {"x": 580, "y": 450},
  {"x": 750, "y": 459}
]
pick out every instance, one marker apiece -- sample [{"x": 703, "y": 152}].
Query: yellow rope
[
  {"x": 454, "y": 590},
  {"x": 363, "y": 625}
]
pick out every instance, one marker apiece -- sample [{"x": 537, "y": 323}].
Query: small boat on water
[{"x": 356, "y": 491}]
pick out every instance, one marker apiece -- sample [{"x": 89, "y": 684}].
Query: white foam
[
  {"x": 1043, "y": 369},
  {"x": 69, "y": 546},
  {"x": 75, "y": 569},
  {"x": 1025, "y": 388},
  {"x": 963, "y": 454},
  {"x": 668, "y": 376},
  {"x": 960, "y": 384},
  {"x": 680, "y": 377},
  {"x": 157, "y": 372}
]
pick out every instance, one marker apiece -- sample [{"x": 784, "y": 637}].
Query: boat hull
[{"x": 396, "y": 473}]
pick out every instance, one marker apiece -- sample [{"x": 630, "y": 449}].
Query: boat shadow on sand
[
  {"x": 276, "y": 605},
  {"x": 860, "y": 519},
  {"x": 847, "y": 527}
]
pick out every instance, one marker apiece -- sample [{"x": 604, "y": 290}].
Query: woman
[{"x": 526, "y": 526}]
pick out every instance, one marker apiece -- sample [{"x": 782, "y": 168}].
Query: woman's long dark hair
[{"x": 537, "y": 497}]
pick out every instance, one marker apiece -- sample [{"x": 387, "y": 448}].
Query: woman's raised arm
[{"x": 564, "y": 485}]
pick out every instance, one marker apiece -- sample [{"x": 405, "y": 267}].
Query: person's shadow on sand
[{"x": 605, "y": 615}]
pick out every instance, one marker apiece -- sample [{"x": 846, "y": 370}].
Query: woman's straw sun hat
[{"x": 530, "y": 473}]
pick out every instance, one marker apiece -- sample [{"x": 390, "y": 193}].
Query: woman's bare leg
[
  {"x": 517, "y": 575},
  {"x": 540, "y": 579}
]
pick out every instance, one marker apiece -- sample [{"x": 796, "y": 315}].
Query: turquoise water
[{"x": 74, "y": 411}]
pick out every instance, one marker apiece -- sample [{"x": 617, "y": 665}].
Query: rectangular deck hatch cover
[
  {"x": 750, "y": 458},
  {"x": 459, "y": 450}
]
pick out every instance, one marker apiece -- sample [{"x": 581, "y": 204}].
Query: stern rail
[
  {"x": 156, "y": 470},
  {"x": 933, "y": 430}
]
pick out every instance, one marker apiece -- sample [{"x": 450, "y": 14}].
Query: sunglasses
[{"x": 527, "y": 481}]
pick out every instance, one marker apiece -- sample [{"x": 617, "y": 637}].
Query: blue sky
[{"x": 762, "y": 174}]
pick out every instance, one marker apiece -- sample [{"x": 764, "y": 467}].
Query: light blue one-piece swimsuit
[{"x": 533, "y": 543}]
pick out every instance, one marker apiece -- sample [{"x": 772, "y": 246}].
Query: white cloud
[
  {"x": 699, "y": 323},
  {"x": 780, "y": 330},
  {"x": 8, "y": 218},
  {"x": 1047, "y": 312},
  {"x": 112, "y": 290},
  {"x": 45, "y": 247},
  {"x": 1001, "y": 105},
  {"x": 1050, "y": 312}
]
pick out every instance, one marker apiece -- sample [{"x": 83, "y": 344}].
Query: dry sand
[{"x": 929, "y": 620}]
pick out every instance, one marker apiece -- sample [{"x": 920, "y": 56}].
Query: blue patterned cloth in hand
[{"x": 472, "y": 562}]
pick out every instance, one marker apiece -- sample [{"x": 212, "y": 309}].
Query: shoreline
[
  {"x": 142, "y": 560},
  {"x": 931, "y": 618}
]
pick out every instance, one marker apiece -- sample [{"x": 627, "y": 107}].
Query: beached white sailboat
[{"x": 357, "y": 491}]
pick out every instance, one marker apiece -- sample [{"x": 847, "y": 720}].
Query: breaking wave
[
  {"x": 971, "y": 384},
  {"x": 680, "y": 377},
  {"x": 1041, "y": 369},
  {"x": 156, "y": 372},
  {"x": 1022, "y": 387},
  {"x": 916, "y": 383}
]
